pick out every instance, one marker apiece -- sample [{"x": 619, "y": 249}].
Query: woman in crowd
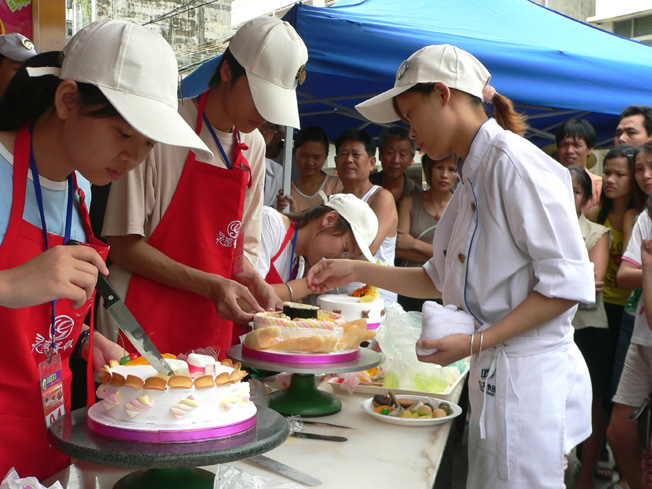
[
  {"x": 635, "y": 382},
  {"x": 591, "y": 328},
  {"x": 310, "y": 152},
  {"x": 509, "y": 252},
  {"x": 617, "y": 199},
  {"x": 419, "y": 214},
  {"x": 343, "y": 227},
  {"x": 97, "y": 109}
]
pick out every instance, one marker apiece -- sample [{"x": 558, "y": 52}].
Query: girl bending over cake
[{"x": 343, "y": 227}]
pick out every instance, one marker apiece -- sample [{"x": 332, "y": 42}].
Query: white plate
[{"x": 368, "y": 407}]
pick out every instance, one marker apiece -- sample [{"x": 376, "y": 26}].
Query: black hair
[
  {"x": 577, "y": 129},
  {"x": 400, "y": 134},
  {"x": 503, "y": 108},
  {"x": 356, "y": 135},
  {"x": 427, "y": 163},
  {"x": 311, "y": 133},
  {"x": 28, "y": 98},
  {"x": 316, "y": 212},
  {"x": 606, "y": 204},
  {"x": 584, "y": 180},
  {"x": 236, "y": 69},
  {"x": 644, "y": 148},
  {"x": 644, "y": 110}
]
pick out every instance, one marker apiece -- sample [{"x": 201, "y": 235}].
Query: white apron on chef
[{"x": 511, "y": 229}]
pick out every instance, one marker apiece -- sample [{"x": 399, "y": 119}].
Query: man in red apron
[{"x": 181, "y": 229}]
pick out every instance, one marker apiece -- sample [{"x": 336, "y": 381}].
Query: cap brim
[
  {"x": 381, "y": 108},
  {"x": 366, "y": 252},
  {"x": 157, "y": 121},
  {"x": 21, "y": 56},
  {"x": 276, "y": 104}
]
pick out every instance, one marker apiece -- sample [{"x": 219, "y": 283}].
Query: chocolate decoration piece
[{"x": 365, "y": 314}]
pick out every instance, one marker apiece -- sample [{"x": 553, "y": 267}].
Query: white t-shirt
[
  {"x": 273, "y": 181},
  {"x": 138, "y": 200},
  {"x": 642, "y": 230},
  {"x": 273, "y": 233},
  {"x": 55, "y": 201}
]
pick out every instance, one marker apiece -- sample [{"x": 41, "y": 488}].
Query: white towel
[{"x": 438, "y": 322}]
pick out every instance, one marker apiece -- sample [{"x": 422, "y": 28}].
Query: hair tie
[{"x": 488, "y": 93}]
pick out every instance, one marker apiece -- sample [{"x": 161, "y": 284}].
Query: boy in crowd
[
  {"x": 176, "y": 227},
  {"x": 634, "y": 126},
  {"x": 575, "y": 142}
]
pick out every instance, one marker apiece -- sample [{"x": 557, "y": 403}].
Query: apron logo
[
  {"x": 233, "y": 230},
  {"x": 63, "y": 326}
]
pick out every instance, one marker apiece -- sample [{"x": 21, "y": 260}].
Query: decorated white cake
[
  {"x": 363, "y": 303},
  {"x": 204, "y": 400}
]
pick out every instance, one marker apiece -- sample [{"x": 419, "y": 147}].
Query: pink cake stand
[{"x": 302, "y": 397}]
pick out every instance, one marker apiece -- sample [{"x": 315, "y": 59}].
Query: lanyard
[
  {"x": 293, "y": 275},
  {"x": 39, "y": 200},
  {"x": 217, "y": 141}
]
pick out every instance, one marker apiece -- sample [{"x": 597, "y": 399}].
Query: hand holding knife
[{"x": 116, "y": 307}]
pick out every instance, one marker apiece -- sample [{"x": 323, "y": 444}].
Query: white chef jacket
[{"x": 511, "y": 229}]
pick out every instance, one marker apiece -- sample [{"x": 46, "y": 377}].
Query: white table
[{"x": 377, "y": 454}]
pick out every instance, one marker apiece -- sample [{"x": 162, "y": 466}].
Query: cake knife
[
  {"x": 286, "y": 470},
  {"x": 116, "y": 307}
]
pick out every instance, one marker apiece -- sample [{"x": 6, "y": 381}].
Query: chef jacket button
[
  {"x": 473, "y": 206},
  {"x": 461, "y": 258},
  {"x": 444, "y": 252}
]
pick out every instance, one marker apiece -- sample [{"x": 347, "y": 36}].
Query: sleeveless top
[
  {"x": 384, "y": 255},
  {"x": 613, "y": 294},
  {"x": 331, "y": 185},
  {"x": 591, "y": 314},
  {"x": 422, "y": 225}
]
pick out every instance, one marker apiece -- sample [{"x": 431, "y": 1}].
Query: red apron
[
  {"x": 26, "y": 336},
  {"x": 273, "y": 277},
  {"x": 199, "y": 229}
]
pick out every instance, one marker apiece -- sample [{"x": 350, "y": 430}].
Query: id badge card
[{"x": 51, "y": 375}]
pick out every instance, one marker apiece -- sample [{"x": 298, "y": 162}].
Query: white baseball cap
[
  {"x": 439, "y": 63},
  {"x": 361, "y": 218},
  {"x": 274, "y": 58},
  {"x": 136, "y": 70},
  {"x": 17, "y": 47}
]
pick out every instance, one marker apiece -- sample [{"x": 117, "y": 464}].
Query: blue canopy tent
[{"x": 553, "y": 67}]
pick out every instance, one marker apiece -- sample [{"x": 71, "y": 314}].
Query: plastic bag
[
  {"x": 230, "y": 477},
  {"x": 13, "y": 481},
  {"x": 397, "y": 338}
]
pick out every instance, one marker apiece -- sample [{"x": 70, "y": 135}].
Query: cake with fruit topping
[
  {"x": 203, "y": 400},
  {"x": 362, "y": 303}
]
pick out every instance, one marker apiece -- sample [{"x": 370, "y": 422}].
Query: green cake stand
[{"x": 303, "y": 398}]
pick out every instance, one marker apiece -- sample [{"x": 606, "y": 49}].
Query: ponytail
[
  {"x": 29, "y": 97},
  {"x": 506, "y": 116}
]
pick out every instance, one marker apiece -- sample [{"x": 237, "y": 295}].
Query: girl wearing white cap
[
  {"x": 343, "y": 227},
  {"x": 96, "y": 109},
  {"x": 509, "y": 252}
]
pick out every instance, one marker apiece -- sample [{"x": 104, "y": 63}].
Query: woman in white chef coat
[{"x": 508, "y": 251}]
